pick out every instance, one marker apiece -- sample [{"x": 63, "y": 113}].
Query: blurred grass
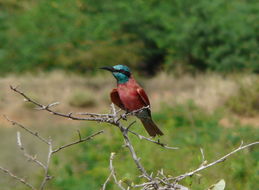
[
  {"x": 189, "y": 110},
  {"x": 89, "y": 168},
  {"x": 83, "y": 99},
  {"x": 246, "y": 100}
]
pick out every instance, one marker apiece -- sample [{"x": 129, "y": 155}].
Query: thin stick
[
  {"x": 202, "y": 155},
  {"x": 180, "y": 177},
  {"x": 134, "y": 155},
  {"x": 113, "y": 172},
  {"x": 78, "y": 141},
  {"x": 30, "y": 157},
  {"x": 36, "y": 134},
  {"x": 47, "y": 108},
  {"x": 7, "y": 172},
  {"x": 106, "y": 118},
  {"x": 95, "y": 114},
  {"x": 47, "y": 176},
  {"x": 153, "y": 141},
  {"x": 106, "y": 181}
]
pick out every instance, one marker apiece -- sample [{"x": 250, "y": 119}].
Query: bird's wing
[
  {"x": 143, "y": 96},
  {"x": 115, "y": 98}
]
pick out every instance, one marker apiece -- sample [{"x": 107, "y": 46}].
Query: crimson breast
[{"x": 129, "y": 95}]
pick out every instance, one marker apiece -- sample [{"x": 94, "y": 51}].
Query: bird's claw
[{"x": 124, "y": 117}]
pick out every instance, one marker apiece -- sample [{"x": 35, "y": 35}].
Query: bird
[{"x": 130, "y": 96}]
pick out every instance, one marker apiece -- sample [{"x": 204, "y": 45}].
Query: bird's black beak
[{"x": 108, "y": 68}]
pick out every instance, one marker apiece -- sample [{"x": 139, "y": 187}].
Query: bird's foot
[{"x": 124, "y": 117}]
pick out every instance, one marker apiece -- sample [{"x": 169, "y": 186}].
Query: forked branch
[
  {"x": 158, "y": 182},
  {"x": 222, "y": 159},
  {"x": 45, "y": 166},
  {"x": 112, "y": 118},
  {"x": 23, "y": 181}
]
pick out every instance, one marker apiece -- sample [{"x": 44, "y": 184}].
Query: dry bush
[{"x": 157, "y": 180}]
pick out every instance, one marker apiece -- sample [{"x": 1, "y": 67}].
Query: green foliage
[
  {"x": 82, "y": 99},
  {"x": 185, "y": 126},
  {"x": 246, "y": 100},
  {"x": 219, "y": 35},
  {"x": 82, "y": 35},
  {"x": 48, "y": 36}
]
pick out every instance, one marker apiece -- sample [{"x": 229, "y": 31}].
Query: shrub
[
  {"x": 186, "y": 126},
  {"x": 80, "y": 35},
  {"x": 82, "y": 99},
  {"x": 48, "y": 37},
  {"x": 246, "y": 101}
]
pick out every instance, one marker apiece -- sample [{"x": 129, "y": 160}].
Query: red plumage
[{"x": 130, "y": 96}]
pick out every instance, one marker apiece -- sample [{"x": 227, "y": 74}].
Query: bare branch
[
  {"x": 47, "y": 177},
  {"x": 133, "y": 153},
  {"x": 107, "y": 118},
  {"x": 163, "y": 182},
  {"x": 158, "y": 182},
  {"x": 113, "y": 172},
  {"x": 153, "y": 141},
  {"x": 132, "y": 123},
  {"x": 79, "y": 134},
  {"x": 135, "y": 111},
  {"x": 78, "y": 141},
  {"x": 7, "y": 172},
  {"x": 26, "y": 129},
  {"x": 30, "y": 157},
  {"x": 124, "y": 116},
  {"x": 47, "y": 108},
  {"x": 202, "y": 155},
  {"x": 106, "y": 181},
  {"x": 203, "y": 161},
  {"x": 95, "y": 114},
  {"x": 180, "y": 177},
  {"x": 113, "y": 110}
]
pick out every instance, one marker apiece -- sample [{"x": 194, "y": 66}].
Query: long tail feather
[{"x": 151, "y": 127}]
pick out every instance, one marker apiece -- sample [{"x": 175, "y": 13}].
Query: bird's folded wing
[
  {"x": 115, "y": 98},
  {"x": 143, "y": 96}
]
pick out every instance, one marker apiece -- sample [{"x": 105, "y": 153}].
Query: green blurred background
[
  {"x": 79, "y": 35},
  {"x": 197, "y": 59}
]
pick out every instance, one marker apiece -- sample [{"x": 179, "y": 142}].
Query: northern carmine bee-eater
[{"x": 129, "y": 96}]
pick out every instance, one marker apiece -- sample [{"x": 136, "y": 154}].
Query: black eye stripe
[{"x": 123, "y": 71}]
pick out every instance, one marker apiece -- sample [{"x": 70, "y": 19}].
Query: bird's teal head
[{"x": 120, "y": 72}]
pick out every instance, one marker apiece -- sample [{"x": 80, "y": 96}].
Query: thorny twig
[
  {"x": 112, "y": 118},
  {"x": 48, "y": 108},
  {"x": 80, "y": 140},
  {"x": 30, "y": 157},
  {"x": 113, "y": 172},
  {"x": 222, "y": 159},
  {"x": 45, "y": 166},
  {"x": 47, "y": 177},
  {"x": 159, "y": 182},
  {"x": 153, "y": 141},
  {"x": 106, "y": 181},
  {"x": 7, "y": 172},
  {"x": 36, "y": 134},
  {"x": 134, "y": 155}
]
